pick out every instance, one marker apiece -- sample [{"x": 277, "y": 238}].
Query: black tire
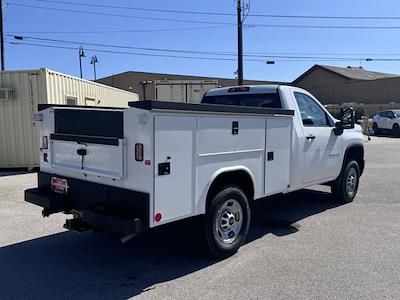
[
  {"x": 211, "y": 234},
  {"x": 375, "y": 128},
  {"x": 396, "y": 130},
  {"x": 339, "y": 190}
]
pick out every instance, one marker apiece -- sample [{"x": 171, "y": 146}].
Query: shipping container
[
  {"x": 188, "y": 91},
  {"x": 20, "y": 94}
]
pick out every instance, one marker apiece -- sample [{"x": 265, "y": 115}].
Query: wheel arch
[
  {"x": 356, "y": 152},
  {"x": 240, "y": 176}
]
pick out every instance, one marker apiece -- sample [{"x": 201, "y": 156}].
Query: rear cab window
[{"x": 266, "y": 100}]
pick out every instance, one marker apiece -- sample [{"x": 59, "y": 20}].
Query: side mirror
[
  {"x": 338, "y": 130},
  {"x": 347, "y": 118}
]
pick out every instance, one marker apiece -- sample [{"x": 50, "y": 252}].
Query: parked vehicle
[
  {"x": 128, "y": 170},
  {"x": 387, "y": 121}
]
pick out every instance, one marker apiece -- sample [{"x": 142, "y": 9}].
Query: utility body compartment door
[
  {"x": 174, "y": 168},
  {"x": 277, "y": 154}
]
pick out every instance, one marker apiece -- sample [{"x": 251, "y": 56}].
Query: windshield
[
  {"x": 270, "y": 100},
  {"x": 397, "y": 113}
]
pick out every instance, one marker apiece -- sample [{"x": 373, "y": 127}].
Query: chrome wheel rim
[
  {"x": 228, "y": 221},
  {"x": 351, "y": 182}
]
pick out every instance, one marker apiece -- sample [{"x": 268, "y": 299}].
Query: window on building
[
  {"x": 90, "y": 101},
  {"x": 71, "y": 100}
]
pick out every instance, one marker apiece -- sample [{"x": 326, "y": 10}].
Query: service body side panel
[{"x": 218, "y": 151}]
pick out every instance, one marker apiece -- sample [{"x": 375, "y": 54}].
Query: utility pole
[
  {"x": 240, "y": 42},
  {"x": 1, "y": 36},
  {"x": 81, "y": 54},
  {"x": 93, "y": 62}
]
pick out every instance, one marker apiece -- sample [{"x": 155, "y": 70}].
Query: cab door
[
  {"x": 390, "y": 119},
  {"x": 321, "y": 147},
  {"x": 382, "y": 120}
]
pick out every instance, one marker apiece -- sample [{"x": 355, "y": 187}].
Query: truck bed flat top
[{"x": 194, "y": 107}]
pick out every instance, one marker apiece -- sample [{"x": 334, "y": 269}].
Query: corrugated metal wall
[
  {"x": 18, "y": 142},
  {"x": 60, "y": 86},
  {"x": 19, "y": 135}
]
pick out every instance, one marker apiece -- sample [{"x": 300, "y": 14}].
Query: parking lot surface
[{"x": 300, "y": 246}]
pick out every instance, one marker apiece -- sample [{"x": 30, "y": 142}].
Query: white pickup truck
[{"x": 128, "y": 170}]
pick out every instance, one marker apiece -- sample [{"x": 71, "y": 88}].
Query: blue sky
[{"x": 348, "y": 43}]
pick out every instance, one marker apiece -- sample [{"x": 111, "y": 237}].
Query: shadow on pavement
[
  {"x": 70, "y": 265},
  {"x": 385, "y": 134},
  {"x": 11, "y": 172}
]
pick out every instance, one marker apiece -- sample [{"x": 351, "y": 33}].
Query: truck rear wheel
[
  {"x": 345, "y": 188},
  {"x": 227, "y": 221}
]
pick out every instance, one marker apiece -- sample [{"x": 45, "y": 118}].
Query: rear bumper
[{"x": 94, "y": 205}]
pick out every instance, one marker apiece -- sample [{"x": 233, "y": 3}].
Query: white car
[{"x": 387, "y": 121}]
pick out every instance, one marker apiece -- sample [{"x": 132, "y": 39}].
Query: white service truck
[{"x": 128, "y": 170}]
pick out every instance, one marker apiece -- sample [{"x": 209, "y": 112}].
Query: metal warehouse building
[
  {"x": 335, "y": 85},
  {"x": 158, "y": 86},
  {"x": 20, "y": 94}
]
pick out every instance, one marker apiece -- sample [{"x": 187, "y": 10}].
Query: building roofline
[
  {"x": 328, "y": 68},
  {"x": 50, "y": 71},
  {"x": 183, "y": 75},
  {"x": 316, "y": 66}
]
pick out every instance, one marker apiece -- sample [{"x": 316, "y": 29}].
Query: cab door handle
[{"x": 310, "y": 137}]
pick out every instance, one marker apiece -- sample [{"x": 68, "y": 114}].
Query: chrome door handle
[{"x": 310, "y": 137}]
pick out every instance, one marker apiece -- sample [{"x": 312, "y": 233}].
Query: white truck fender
[{"x": 201, "y": 205}]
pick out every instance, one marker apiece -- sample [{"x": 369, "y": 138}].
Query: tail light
[
  {"x": 45, "y": 142},
  {"x": 139, "y": 152}
]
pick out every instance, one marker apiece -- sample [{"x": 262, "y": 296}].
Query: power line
[
  {"x": 321, "y": 26},
  {"x": 248, "y": 54},
  {"x": 225, "y": 14},
  {"x": 278, "y": 57},
  {"x": 210, "y": 22},
  {"x": 105, "y": 30},
  {"x": 280, "y": 37},
  {"x": 133, "y": 53},
  {"x": 121, "y": 31},
  {"x": 138, "y": 8},
  {"x": 116, "y": 46},
  {"x": 117, "y": 15}
]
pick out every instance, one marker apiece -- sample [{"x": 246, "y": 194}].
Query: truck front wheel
[
  {"x": 344, "y": 189},
  {"x": 227, "y": 221}
]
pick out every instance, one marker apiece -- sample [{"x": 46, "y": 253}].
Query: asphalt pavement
[{"x": 300, "y": 246}]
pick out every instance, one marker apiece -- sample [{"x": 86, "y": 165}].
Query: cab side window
[
  {"x": 383, "y": 114},
  {"x": 390, "y": 115},
  {"x": 311, "y": 113}
]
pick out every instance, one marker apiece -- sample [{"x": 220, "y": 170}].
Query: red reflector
[
  {"x": 45, "y": 142},
  {"x": 157, "y": 217},
  {"x": 147, "y": 162},
  {"x": 139, "y": 152},
  {"x": 238, "y": 89}
]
